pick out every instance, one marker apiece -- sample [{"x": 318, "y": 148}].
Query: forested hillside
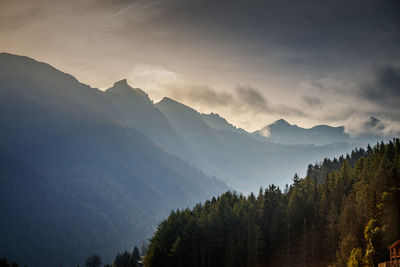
[{"x": 345, "y": 211}]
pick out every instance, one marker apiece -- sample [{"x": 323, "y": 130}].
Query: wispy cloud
[
  {"x": 312, "y": 100},
  {"x": 242, "y": 100},
  {"x": 126, "y": 12},
  {"x": 253, "y": 99},
  {"x": 203, "y": 95}
]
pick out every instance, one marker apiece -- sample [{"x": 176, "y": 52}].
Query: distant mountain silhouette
[
  {"x": 373, "y": 122},
  {"x": 215, "y": 121},
  {"x": 243, "y": 160},
  {"x": 285, "y": 133},
  {"x": 76, "y": 177}
]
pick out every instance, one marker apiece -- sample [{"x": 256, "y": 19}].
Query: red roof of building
[{"x": 395, "y": 244}]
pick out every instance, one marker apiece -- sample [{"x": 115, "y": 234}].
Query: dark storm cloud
[
  {"x": 317, "y": 35},
  {"x": 314, "y": 35},
  {"x": 309, "y": 23},
  {"x": 385, "y": 90}
]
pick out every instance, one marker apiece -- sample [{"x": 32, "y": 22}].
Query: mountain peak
[
  {"x": 167, "y": 99},
  {"x": 216, "y": 115},
  {"x": 121, "y": 84},
  {"x": 171, "y": 103},
  {"x": 280, "y": 122},
  {"x": 215, "y": 121},
  {"x": 122, "y": 88},
  {"x": 10, "y": 63},
  {"x": 373, "y": 121}
]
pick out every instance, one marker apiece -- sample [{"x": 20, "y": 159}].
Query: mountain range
[
  {"x": 75, "y": 176},
  {"x": 282, "y": 132},
  {"x": 84, "y": 170}
]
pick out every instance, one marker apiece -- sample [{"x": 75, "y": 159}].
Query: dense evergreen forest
[{"x": 345, "y": 212}]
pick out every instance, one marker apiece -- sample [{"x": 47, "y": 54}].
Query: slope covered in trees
[{"x": 344, "y": 211}]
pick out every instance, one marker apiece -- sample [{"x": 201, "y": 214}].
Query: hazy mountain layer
[
  {"x": 285, "y": 133},
  {"x": 241, "y": 159},
  {"x": 282, "y": 132},
  {"x": 75, "y": 176}
]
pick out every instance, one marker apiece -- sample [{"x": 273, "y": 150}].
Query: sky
[{"x": 253, "y": 62}]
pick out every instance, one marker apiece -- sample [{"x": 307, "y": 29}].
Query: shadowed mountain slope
[
  {"x": 134, "y": 108},
  {"x": 74, "y": 179}
]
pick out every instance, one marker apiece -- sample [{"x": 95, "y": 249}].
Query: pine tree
[{"x": 93, "y": 261}]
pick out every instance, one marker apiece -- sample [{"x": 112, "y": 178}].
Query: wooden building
[{"x": 394, "y": 256}]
